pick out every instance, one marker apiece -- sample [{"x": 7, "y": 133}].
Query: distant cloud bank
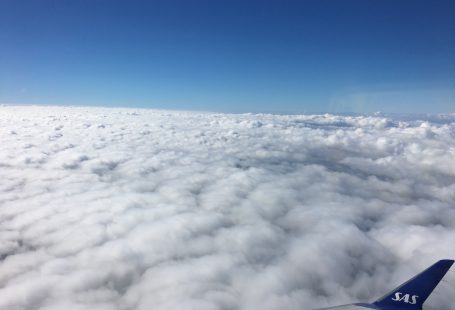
[{"x": 145, "y": 209}]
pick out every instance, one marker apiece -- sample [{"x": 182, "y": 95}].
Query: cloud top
[{"x": 104, "y": 208}]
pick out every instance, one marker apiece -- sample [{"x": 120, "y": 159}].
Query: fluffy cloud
[{"x": 142, "y": 209}]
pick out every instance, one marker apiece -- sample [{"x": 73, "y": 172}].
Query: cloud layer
[{"x": 142, "y": 209}]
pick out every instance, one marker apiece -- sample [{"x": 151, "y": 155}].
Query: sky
[{"x": 352, "y": 56}]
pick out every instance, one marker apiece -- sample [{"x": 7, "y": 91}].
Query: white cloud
[{"x": 142, "y": 209}]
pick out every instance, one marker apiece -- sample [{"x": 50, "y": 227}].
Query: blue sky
[{"x": 231, "y": 56}]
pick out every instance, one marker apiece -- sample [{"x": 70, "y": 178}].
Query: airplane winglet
[{"x": 412, "y": 294}]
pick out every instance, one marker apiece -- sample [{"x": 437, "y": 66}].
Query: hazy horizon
[{"x": 274, "y": 112}]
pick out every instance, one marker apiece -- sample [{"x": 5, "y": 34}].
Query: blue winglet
[{"x": 412, "y": 294}]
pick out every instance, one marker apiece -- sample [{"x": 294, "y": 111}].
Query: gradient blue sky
[{"x": 232, "y": 56}]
